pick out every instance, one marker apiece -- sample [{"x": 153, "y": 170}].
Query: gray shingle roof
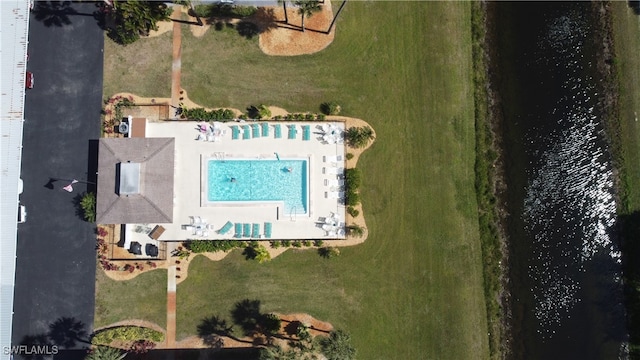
[{"x": 154, "y": 203}]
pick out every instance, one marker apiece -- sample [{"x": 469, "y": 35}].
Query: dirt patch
[
  {"x": 288, "y": 39},
  {"x": 316, "y": 328}
]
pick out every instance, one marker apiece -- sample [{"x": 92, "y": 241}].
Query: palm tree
[
  {"x": 307, "y": 8},
  {"x": 284, "y": 6},
  {"x": 338, "y": 346}
]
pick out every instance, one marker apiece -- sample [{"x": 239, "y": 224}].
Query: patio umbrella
[{"x": 135, "y": 248}]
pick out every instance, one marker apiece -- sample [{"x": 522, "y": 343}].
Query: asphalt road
[{"x": 55, "y": 275}]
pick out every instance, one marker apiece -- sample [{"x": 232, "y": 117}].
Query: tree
[
  {"x": 134, "y": 18},
  {"x": 307, "y": 8},
  {"x": 338, "y": 346},
  {"x": 88, "y": 205},
  {"x": 270, "y": 324},
  {"x": 359, "y": 137},
  {"x": 105, "y": 353}
]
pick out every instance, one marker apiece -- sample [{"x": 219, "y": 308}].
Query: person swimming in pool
[
  {"x": 233, "y": 180},
  {"x": 289, "y": 169}
]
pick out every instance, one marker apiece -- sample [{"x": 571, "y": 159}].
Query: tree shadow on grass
[
  {"x": 213, "y": 328},
  {"x": 246, "y": 314}
]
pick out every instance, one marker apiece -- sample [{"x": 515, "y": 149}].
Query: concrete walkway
[
  {"x": 171, "y": 308},
  {"x": 176, "y": 65},
  {"x": 170, "y": 341}
]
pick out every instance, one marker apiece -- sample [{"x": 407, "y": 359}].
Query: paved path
[
  {"x": 170, "y": 341},
  {"x": 171, "y": 308},
  {"x": 176, "y": 65}
]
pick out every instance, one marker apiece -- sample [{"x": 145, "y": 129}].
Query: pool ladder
[{"x": 291, "y": 214}]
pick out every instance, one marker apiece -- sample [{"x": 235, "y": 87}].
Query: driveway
[{"x": 55, "y": 275}]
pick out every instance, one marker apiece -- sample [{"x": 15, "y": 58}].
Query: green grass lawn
[
  {"x": 627, "y": 40},
  {"x": 144, "y": 297},
  {"x": 414, "y": 289}
]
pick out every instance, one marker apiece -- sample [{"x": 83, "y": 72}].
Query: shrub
[
  {"x": 353, "y": 178},
  {"x": 200, "y": 246},
  {"x": 201, "y": 114},
  {"x": 270, "y": 324},
  {"x": 328, "y": 252},
  {"x": 257, "y": 252},
  {"x": 349, "y": 156},
  {"x": 309, "y": 117},
  {"x": 353, "y": 211},
  {"x": 286, "y": 243},
  {"x": 355, "y": 230},
  {"x": 126, "y": 333},
  {"x": 224, "y": 10},
  {"x": 359, "y": 137},
  {"x": 275, "y": 244},
  {"x": 88, "y": 205},
  {"x": 352, "y": 198},
  {"x": 306, "y": 243},
  {"x": 259, "y": 112},
  {"x": 297, "y": 243},
  {"x": 318, "y": 242},
  {"x": 181, "y": 253},
  {"x": 330, "y": 108},
  {"x": 321, "y": 117},
  {"x": 142, "y": 346}
]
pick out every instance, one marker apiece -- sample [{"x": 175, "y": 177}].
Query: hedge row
[
  {"x": 126, "y": 333},
  {"x": 200, "y": 246}
]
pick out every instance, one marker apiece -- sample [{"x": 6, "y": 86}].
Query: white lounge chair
[
  {"x": 334, "y": 171},
  {"x": 332, "y": 182},
  {"x": 332, "y": 158},
  {"x": 336, "y": 195}
]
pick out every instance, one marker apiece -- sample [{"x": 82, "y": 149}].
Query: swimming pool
[{"x": 259, "y": 180}]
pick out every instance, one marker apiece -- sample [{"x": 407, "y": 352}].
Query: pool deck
[{"x": 189, "y": 200}]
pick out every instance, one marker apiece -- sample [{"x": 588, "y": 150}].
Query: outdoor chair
[
  {"x": 267, "y": 230},
  {"x": 306, "y": 132},
  {"x": 255, "y": 231},
  {"x": 255, "y": 130},
  {"x": 246, "y": 135},
  {"x": 235, "y": 132},
  {"x": 277, "y": 130},
  {"x": 246, "y": 230},
  {"x": 265, "y": 129},
  {"x": 293, "y": 132},
  {"x": 225, "y": 229},
  {"x": 238, "y": 231}
]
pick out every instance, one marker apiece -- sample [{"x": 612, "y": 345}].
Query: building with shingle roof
[{"x": 135, "y": 180}]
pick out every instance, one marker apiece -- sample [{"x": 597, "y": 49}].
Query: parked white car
[{"x": 22, "y": 214}]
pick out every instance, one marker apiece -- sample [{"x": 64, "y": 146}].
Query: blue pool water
[{"x": 259, "y": 180}]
